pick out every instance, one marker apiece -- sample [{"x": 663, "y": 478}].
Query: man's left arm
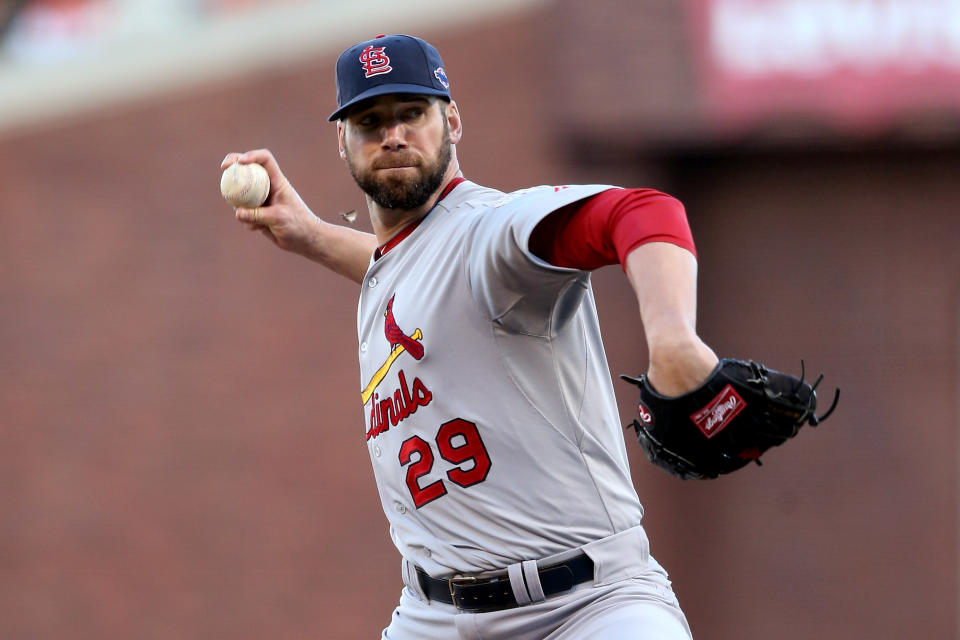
[
  {"x": 698, "y": 417},
  {"x": 664, "y": 279},
  {"x": 647, "y": 233}
]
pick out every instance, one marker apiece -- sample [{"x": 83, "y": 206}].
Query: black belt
[{"x": 489, "y": 594}]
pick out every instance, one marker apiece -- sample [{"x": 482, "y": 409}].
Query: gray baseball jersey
[{"x": 489, "y": 410}]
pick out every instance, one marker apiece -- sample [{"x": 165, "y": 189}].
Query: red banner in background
[{"x": 860, "y": 64}]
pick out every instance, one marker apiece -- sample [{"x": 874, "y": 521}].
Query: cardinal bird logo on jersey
[
  {"x": 386, "y": 409},
  {"x": 395, "y": 335},
  {"x": 400, "y": 343}
]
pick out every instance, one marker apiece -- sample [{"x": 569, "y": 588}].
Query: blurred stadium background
[{"x": 180, "y": 448}]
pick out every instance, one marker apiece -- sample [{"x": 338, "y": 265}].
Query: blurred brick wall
[
  {"x": 849, "y": 260},
  {"x": 181, "y": 450},
  {"x": 621, "y": 70}
]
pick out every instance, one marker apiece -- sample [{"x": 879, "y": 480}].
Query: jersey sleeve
[
  {"x": 605, "y": 228},
  {"x": 511, "y": 284}
]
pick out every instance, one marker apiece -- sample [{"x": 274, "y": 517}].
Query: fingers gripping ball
[
  {"x": 245, "y": 185},
  {"x": 738, "y": 413}
]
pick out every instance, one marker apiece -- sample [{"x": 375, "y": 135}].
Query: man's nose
[{"x": 394, "y": 136}]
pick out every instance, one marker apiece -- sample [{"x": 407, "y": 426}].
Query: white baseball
[{"x": 245, "y": 185}]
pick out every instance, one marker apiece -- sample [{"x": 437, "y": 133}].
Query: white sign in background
[{"x": 814, "y": 37}]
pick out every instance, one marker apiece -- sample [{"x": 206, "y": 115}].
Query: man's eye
[
  {"x": 413, "y": 114},
  {"x": 367, "y": 121}
]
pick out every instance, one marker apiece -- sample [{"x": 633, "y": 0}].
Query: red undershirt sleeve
[{"x": 605, "y": 228}]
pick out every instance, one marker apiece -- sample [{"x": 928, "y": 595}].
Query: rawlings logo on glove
[
  {"x": 721, "y": 410},
  {"x": 741, "y": 410}
]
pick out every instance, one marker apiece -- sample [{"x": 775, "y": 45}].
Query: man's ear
[
  {"x": 340, "y": 133},
  {"x": 453, "y": 120}
]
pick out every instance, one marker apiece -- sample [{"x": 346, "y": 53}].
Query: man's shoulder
[
  {"x": 546, "y": 198},
  {"x": 479, "y": 196},
  {"x": 470, "y": 194}
]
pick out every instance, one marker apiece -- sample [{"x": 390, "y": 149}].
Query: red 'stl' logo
[{"x": 375, "y": 61}]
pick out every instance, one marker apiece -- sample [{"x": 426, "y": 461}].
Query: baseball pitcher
[{"x": 487, "y": 405}]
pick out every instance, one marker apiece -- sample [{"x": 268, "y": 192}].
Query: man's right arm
[{"x": 287, "y": 221}]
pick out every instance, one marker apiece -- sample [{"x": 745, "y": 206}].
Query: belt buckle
[{"x": 452, "y": 583}]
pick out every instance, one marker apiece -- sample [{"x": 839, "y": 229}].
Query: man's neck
[{"x": 388, "y": 222}]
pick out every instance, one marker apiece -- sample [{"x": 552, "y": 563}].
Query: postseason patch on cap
[{"x": 442, "y": 77}]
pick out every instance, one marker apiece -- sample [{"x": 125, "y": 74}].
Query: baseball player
[{"x": 488, "y": 408}]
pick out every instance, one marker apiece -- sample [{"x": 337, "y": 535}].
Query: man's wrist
[{"x": 680, "y": 365}]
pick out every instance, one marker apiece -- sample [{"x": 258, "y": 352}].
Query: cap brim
[{"x": 384, "y": 89}]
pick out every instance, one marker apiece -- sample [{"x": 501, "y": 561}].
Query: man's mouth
[{"x": 395, "y": 163}]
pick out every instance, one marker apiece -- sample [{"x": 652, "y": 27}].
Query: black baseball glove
[{"x": 741, "y": 410}]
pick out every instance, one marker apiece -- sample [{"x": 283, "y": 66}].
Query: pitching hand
[{"x": 284, "y": 218}]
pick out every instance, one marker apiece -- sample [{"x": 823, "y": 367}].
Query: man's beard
[{"x": 400, "y": 193}]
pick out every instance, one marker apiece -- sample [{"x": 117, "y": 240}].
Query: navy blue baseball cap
[{"x": 388, "y": 64}]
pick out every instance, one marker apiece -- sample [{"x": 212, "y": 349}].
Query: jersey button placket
[
  {"x": 372, "y": 282},
  {"x": 400, "y": 508}
]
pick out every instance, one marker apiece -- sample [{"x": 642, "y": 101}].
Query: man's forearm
[
  {"x": 664, "y": 279},
  {"x": 343, "y": 250}
]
